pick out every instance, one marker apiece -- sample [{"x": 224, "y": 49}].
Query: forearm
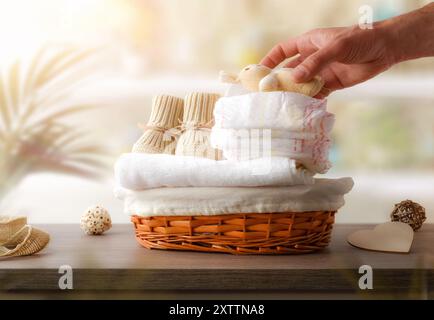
[{"x": 411, "y": 35}]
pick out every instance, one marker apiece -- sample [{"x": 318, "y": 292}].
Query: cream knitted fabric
[
  {"x": 196, "y": 126},
  {"x": 165, "y": 114}
]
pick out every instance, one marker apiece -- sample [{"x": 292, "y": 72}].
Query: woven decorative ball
[
  {"x": 409, "y": 212},
  {"x": 96, "y": 220}
]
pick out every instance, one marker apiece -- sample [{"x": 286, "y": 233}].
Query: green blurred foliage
[{"x": 383, "y": 135}]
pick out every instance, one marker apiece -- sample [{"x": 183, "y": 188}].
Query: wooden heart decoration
[{"x": 387, "y": 237}]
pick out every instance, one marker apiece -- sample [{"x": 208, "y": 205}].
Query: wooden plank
[
  {"x": 115, "y": 261},
  {"x": 147, "y": 279}
]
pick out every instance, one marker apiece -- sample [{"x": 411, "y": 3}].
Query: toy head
[{"x": 250, "y": 76}]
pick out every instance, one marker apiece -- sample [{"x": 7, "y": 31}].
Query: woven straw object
[
  {"x": 409, "y": 212},
  {"x": 96, "y": 220},
  {"x": 165, "y": 114},
  {"x": 250, "y": 233},
  {"x": 27, "y": 241},
  {"x": 10, "y": 226},
  {"x": 196, "y": 126}
]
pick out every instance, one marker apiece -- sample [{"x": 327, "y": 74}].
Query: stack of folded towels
[{"x": 264, "y": 148}]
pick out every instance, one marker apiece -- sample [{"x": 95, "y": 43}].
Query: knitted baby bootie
[
  {"x": 26, "y": 241},
  {"x": 165, "y": 114},
  {"x": 10, "y": 226},
  {"x": 196, "y": 126}
]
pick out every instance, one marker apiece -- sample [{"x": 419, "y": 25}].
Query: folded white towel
[
  {"x": 273, "y": 110},
  {"x": 324, "y": 194},
  {"x": 139, "y": 171}
]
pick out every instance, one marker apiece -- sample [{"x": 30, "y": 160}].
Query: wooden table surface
[{"x": 115, "y": 261}]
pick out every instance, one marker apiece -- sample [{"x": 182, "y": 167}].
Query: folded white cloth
[
  {"x": 273, "y": 110},
  {"x": 139, "y": 171},
  {"x": 324, "y": 194}
]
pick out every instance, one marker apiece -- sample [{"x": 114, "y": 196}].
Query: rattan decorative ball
[
  {"x": 96, "y": 220},
  {"x": 409, "y": 212}
]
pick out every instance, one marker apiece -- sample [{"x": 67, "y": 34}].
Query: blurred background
[{"x": 78, "y": 75}]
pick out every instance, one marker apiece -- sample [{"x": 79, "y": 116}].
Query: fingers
[
  {"x": 294, "y": 62},
  {"x": 280, "y": 52},
  {"x": 331, "y": 80},
  {"x": 323, "y": 93},
  {"x": 313, "y": 64}
]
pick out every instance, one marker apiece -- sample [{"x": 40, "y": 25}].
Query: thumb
[{"x": 314, "y": 63}]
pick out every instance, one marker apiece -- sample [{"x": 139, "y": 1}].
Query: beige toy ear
[
  {"x": 269, "y": 83},
  {"x": 286, "y": 83},
  {"x": 227, "y": 77}
]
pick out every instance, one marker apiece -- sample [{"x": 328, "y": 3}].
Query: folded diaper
[
  {"x": 139, "y": 171},
  {"x": 219, "y": 136},
  {"x": 274, "y": 124},
  {"x": 312, "y": 154},
  {"x": 273, "y": 110},
  {"x": 324, "y": 194}
]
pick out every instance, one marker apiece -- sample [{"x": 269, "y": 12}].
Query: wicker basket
[{"x": 250, "y": 233}]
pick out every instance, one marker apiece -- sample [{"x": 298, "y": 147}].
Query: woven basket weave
[{"x": 250, "y": 233}]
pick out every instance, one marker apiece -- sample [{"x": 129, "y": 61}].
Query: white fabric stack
[
  {"x": 268, "y": 124},
  {"x": 273, "y": 142}
]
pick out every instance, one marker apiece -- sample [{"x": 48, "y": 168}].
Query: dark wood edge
[{"x": 216, "y": 279}]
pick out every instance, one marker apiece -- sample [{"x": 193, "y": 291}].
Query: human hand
[{"x": 343, "y": 57}]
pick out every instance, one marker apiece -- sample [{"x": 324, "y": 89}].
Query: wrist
[
  {"x": 388, "y": 31},
  {"x": 409, "y": 36}
]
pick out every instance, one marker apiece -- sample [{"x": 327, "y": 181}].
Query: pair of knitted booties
[
  {"x": 17, "y": 238},
  {"x": 180, "y": 126}
]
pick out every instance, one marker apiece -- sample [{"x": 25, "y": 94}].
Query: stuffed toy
[{"x": 256, "y": 77}]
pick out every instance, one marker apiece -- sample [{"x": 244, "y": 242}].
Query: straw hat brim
[{"x": 27, "y": 241}]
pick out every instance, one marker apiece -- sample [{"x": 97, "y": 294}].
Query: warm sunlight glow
[{"x": 26, "y": 24}]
